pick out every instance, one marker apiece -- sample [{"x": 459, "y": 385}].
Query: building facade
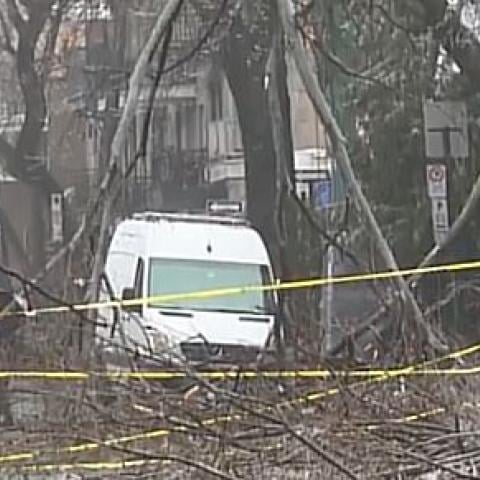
[{"x": 194, "y": 148}]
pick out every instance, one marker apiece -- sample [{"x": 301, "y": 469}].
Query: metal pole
[
  {"x": 328, "y": 314},
  {"x": 330, "y": 253}
]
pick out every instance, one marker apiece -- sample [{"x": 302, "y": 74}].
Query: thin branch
[
  {"x": 15, "y": 16},
  {"x": 55, "y": 22},
  {"x": 142, "y": 454},
  {"x": 321, "y": 452},
  {"x": 8, "y": 43},
  {"x": 398, "y": 25},
  {"x": 435, "y": 463},
  {"x": 34, "y": 286},
  {"x": 335, "y": 60},
  {"x": 7, "y": 152},
  {"x": 201, "y": 42},
  {"x": 142, "y": 151},
  {"x": 111, "y": 179},
  {"x": 467, "y": 214}
]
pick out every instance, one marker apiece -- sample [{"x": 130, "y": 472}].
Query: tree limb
[
  {"x": 7, "y": 152},
  {"x": 345, "y": 69},
  {"x": 321, "y": 452},
  {"x": 7, "y": 44},
  {"x": 107, "y": 190},
  {"x": 177, "y": 459},
  {"x": 15, "y": 15},
  {"x": 55, "y": 22},
  {"x": 142, "y": 151},
  {"x": 341, "y": 154}
]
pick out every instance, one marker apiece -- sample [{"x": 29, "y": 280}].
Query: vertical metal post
[
  {"x": 330, "y": 252},
  {"x": 448, "y": 120},
  {"x": 328, "y": 304}
]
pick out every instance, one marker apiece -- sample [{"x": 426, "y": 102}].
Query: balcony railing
[{"x": 184, "y": 168}]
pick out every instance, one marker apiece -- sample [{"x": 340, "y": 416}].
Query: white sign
[
  {"x": 446, "y": 129},
  {"x": 224, "y": 206},
  {"x": 56, "y": 211},
  {"x": 437, "y": 180},
  {"x": 440, "y": 219}
]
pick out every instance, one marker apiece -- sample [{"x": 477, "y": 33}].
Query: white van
[{"x": 157, "y": 254}]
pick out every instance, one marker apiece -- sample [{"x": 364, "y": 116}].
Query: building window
[
  {"x": 192, "y": 142},
  {"x": 178, "y": 128},
  {"x": 216, "y": 101},
  {"x": 202, "y": 136}
]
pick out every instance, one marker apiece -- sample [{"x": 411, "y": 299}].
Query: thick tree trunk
[
  {"x": 245, "y": 72},
  {"x": 25, "y": 160},
  {"x": 252, "y": 107},
  {"x": 28, "y": 162},
  {"x": 286, "y": 225},
  {"x": 28, "y": 146}
]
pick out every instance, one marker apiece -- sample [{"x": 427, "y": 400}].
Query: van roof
[
  {"x": 195, "y": 237},
  {"x": 189, "y": 218}
]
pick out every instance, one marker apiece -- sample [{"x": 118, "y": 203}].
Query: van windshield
[{"x": 175, "y": 276}]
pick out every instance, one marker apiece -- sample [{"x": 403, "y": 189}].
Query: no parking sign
[{"x": 437, "y": 180}]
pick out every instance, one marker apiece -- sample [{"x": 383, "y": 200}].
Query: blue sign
[{"x": 321, "y": 193}]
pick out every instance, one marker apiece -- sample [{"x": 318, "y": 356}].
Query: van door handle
[
  {"x": 254, "y": 319},
  {"x": 176, "y": 314}
]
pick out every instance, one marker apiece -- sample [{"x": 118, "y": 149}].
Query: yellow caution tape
[
  {"x": 90, "y": 466},
  {"x": 312, "y": 397},
  {"x": 238, "y": 290},
  {"x": 33, "y": 375},
  {"x": 88, "y": 446},
  {"x": 136, "y": 463},
  {"x": 232, "y": 375},
  {"x": 395, "y": 373},
  {"x": 408, "y": 419}
]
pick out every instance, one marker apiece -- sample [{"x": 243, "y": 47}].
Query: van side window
[
  {"x": 138, "y": 286},
  {"x": 268, "y": 295}
]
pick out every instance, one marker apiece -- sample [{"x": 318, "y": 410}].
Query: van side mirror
[{"x": 128, "y": 293}]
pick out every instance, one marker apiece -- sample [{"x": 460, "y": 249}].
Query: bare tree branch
[
  {"x": 341, "y": 154},
  {"x": 107, "y": 188},
  {"x": 215, "y": 472},
  {"x": 7, "y": 152},
  {"x": 8, "y": 43},
  {"x": 53, "y": 30},
  {"x": 345, "y": 69},
  {"x": 15, "y": 15},
  {"x": 467, "y": 213},
  {"x": 321, "y": 452}
]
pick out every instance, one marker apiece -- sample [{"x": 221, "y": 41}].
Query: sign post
[
  {"x": 56, "y": 211},
  {"x": 321, "y": 194},
  {"x": 446, "y": 140},
  {"x": 437, "y": 180},
  {"x": 440, "y": 217},
  {"x": 446, "y": 129},
  {"x": 437, "y": 191}
]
